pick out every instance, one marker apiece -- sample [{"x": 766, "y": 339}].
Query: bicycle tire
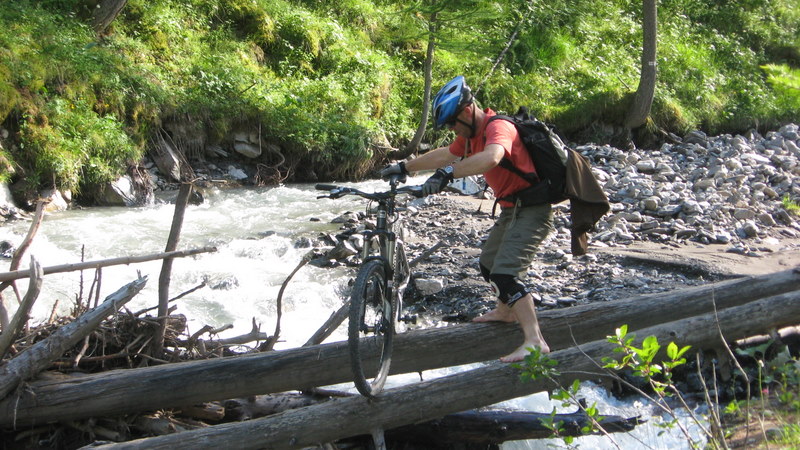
[
  {"x": 402, "y": 276},
  {"x": 371, "y": 328}
]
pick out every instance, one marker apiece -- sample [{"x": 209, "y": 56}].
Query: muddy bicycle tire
[{"x": 371, "y": 328}]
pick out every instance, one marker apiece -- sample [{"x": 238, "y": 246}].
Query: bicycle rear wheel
[{"x": 371, "y": 328}]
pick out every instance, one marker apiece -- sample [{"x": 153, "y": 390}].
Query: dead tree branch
[
  {"x": 22, "y": 315},
  {"x": 164, "y": 278},
  {"x": 17, "y": 274}
]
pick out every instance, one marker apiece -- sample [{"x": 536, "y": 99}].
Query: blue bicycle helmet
[{"x": 449, "y": 101}]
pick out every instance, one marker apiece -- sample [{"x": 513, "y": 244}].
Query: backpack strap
[
  {"x": 531, "y": 177},
  {"x": 506, "y": 163}
]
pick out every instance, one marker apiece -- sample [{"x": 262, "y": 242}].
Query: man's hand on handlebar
[{"x": 398, "y": 170}]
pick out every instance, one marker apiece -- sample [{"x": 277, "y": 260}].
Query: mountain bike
[{"x": 376, "y": 299}]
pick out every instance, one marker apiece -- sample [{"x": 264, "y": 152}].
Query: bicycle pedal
[{"x": 409, "y": 319}]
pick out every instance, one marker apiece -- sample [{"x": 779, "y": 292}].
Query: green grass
[
  {"x": 790, "y": 205},
  {"x": 790, "y": 436},
  {"x": 329, "y": 82}
]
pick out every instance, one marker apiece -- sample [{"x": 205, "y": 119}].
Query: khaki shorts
[{"x": 514, "y": 239}]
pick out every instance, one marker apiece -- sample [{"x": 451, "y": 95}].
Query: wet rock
[
  {"x": 429, "y": 286},
  {"x": 342, "y": 250},
  {"x": 7, "y": 249}
]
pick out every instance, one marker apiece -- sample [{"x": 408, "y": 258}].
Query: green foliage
[
  {"x": 790, "y": 206},
  {"x": 781, "y": 372},
  {"x": 641, "y": 360},
  {"x": 75, "y": 145},
  {"x": 786, "y": 83},
  {"x": 329, "y": 80},
  {"x": 537, "y": 365},
  {"x": 789, "y": 437},
  {"x": 8, "y": 95}
]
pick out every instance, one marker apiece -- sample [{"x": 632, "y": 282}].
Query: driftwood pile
[{"x": 108, "y": 377}]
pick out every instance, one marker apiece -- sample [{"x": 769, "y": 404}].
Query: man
[{"x": 516, "y": 235}]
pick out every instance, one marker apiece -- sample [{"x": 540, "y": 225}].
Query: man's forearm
[
  {"x": 479, "y": 163},
  {"x": 474, "y": 165},
  {"x": 432, "y": 160}
]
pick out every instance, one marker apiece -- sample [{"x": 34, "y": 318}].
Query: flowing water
[{"x": 255, "y": 232}]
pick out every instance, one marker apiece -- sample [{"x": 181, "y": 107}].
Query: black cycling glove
[
  {"x": 394, "y": 169},
  {"x": 438, "y": 181}
]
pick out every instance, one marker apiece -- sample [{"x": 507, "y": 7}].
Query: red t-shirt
[{"x": 502, "y": 132}]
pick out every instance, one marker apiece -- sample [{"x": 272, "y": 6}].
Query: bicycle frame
[
  {"x": 376, "y": 300},
  {"x": 387, "y": 239}
]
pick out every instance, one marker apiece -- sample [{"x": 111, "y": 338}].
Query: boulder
[
  {"x": 167, "y": 161},
  {"x": 56, "y": 201},
  {"x": 117, "y": 193}
]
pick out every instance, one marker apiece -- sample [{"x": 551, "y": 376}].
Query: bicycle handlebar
[{"x": 340, "y": 191}]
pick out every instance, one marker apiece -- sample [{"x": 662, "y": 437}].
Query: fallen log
[
  {"x": 17, "y": 274},
  {"x": 487, "y": 427},
  {"x": 40, "y": 355},
  {"x": 339, "y": 418},
  {"x": 172, "y": 385},
  {"x": 484, "y": 427}
]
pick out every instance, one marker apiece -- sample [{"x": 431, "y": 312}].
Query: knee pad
[{"x": 508, "y": 288}]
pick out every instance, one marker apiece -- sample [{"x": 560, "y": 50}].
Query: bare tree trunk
[
  {"x": 15, "y": 260},
  {"x": 105, "y": 13},
  {"x": 412, "y": 146},
  {"x": 643, "y": 100},
  {"x": 166, "y": 268}
]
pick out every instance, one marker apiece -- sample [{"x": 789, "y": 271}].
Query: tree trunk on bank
[
  {"x": 643, "y": 100},
  {"x": 427, "y": 69},
  {"x": 105, "y": 13},
  {"x": 339, "y": 418},
  {"x": 133, "y": 390}
]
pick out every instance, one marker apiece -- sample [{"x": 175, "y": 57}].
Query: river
[{"x": 255, "y": 232}]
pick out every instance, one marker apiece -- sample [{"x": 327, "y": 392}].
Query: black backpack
[{"x": 549, "y": 155}]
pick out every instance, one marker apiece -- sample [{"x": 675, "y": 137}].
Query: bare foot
[
  {"x": 520, "y": 353},
  {"x": 498, "y": 314}
]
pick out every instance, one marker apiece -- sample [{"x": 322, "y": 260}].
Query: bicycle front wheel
[{"x": 371, "y": 328}]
